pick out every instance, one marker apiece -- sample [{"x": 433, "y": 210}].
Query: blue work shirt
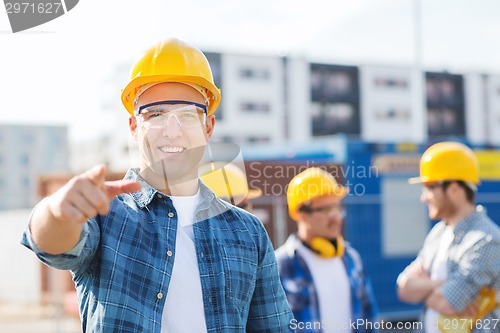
[
  {"x": 472, "y": 262},
  {"x": 303, "y": 296},
  {"x": 123, "y": 263}
]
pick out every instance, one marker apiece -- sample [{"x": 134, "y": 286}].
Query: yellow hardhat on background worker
[
  {"x": 228, "y": 182},
  {"x": 448, "y": 161},
  {"x": 309, "y": 184}
]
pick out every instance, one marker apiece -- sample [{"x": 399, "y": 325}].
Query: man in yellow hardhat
[
  {"x": 323, "y": 275},
  {"x": 229, "y": 183},
  {"x": 460, "y": 256},
  {"x": 169, "y": 257}
]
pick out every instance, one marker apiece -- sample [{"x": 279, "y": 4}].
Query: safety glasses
[
  {"x": 157, "y": 115},
  {"x": 325, "y": 210}
]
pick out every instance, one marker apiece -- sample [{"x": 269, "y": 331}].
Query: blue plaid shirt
[
  {"x": 302, "y": 295},
  {"x": 473, "y": 263},
  {"x": 123, "y": 264}
]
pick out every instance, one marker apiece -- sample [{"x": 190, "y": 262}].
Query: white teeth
[{"x": 171, "y": 149}]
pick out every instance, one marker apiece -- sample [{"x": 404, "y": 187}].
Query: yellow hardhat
[
  {"x": 228, "y": 182},
  {"x": 309, "y": 184},
  {"x": 448, "y": 161},
  {"x": 171, "y": 61}
]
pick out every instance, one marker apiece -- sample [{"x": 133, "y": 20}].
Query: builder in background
[
  {"x": 322, "y": 274},
  {"x": 460, "y": 257}
]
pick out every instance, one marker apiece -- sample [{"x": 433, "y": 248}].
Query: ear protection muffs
[{"x": 327, "y": 248}]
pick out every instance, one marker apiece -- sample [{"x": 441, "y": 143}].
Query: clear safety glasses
[
  {"x": 334, "y": 210},
  {"x": 157, "y": 115}
]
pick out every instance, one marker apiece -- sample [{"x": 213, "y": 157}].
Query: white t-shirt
[
  {"x": 438, "y": 272},
  {"x": 184, "y": 311},
  {"x": 333, "y": 290}
]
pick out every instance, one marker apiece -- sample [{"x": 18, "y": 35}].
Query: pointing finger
[{"x": 114, "y": 188}]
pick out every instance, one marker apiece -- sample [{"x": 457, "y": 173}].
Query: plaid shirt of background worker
[{"x": 302, "y": 296}]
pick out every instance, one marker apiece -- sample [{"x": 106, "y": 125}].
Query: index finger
[{"x": 117, "y": 187}]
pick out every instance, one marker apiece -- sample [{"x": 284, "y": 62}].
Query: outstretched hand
[{"x": 87, "y": 195}]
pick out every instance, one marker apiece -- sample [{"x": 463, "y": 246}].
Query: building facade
[{"x": 288, "y": 100}]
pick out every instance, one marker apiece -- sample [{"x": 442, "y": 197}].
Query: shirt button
[
  {"x": 170, "y": 214},
  {"x": 159, "y": 295},
  {"x": 159, "y": 196},
  {"x": 169, "y": 253}
]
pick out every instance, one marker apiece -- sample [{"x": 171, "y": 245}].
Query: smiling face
[
  {"x": 170, "y": 154},
  {"x": 324, "y": 218}
]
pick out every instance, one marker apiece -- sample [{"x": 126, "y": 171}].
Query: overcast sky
[{"x": 53, "y": 73}]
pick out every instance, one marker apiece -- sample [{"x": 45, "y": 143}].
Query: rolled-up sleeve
[
  {"x": 478, "y": 267},
  {"x": 73, "y": 259},
  {"x": 28, "y": 241}
]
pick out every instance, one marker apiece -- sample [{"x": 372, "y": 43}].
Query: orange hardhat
[
  {"x": 228, "y": 182},
  {"x": 171, "y": 60},
  {"x": 309, "y": 184},
  {"x": 448, "y": 161}
]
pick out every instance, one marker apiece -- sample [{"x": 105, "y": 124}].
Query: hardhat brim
[
  {"x": 341, "y": 192},
  {"x": 254, "y": 193},
  {"x": 129, "y": 92},
  {"x": 416, "y": 180}
]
